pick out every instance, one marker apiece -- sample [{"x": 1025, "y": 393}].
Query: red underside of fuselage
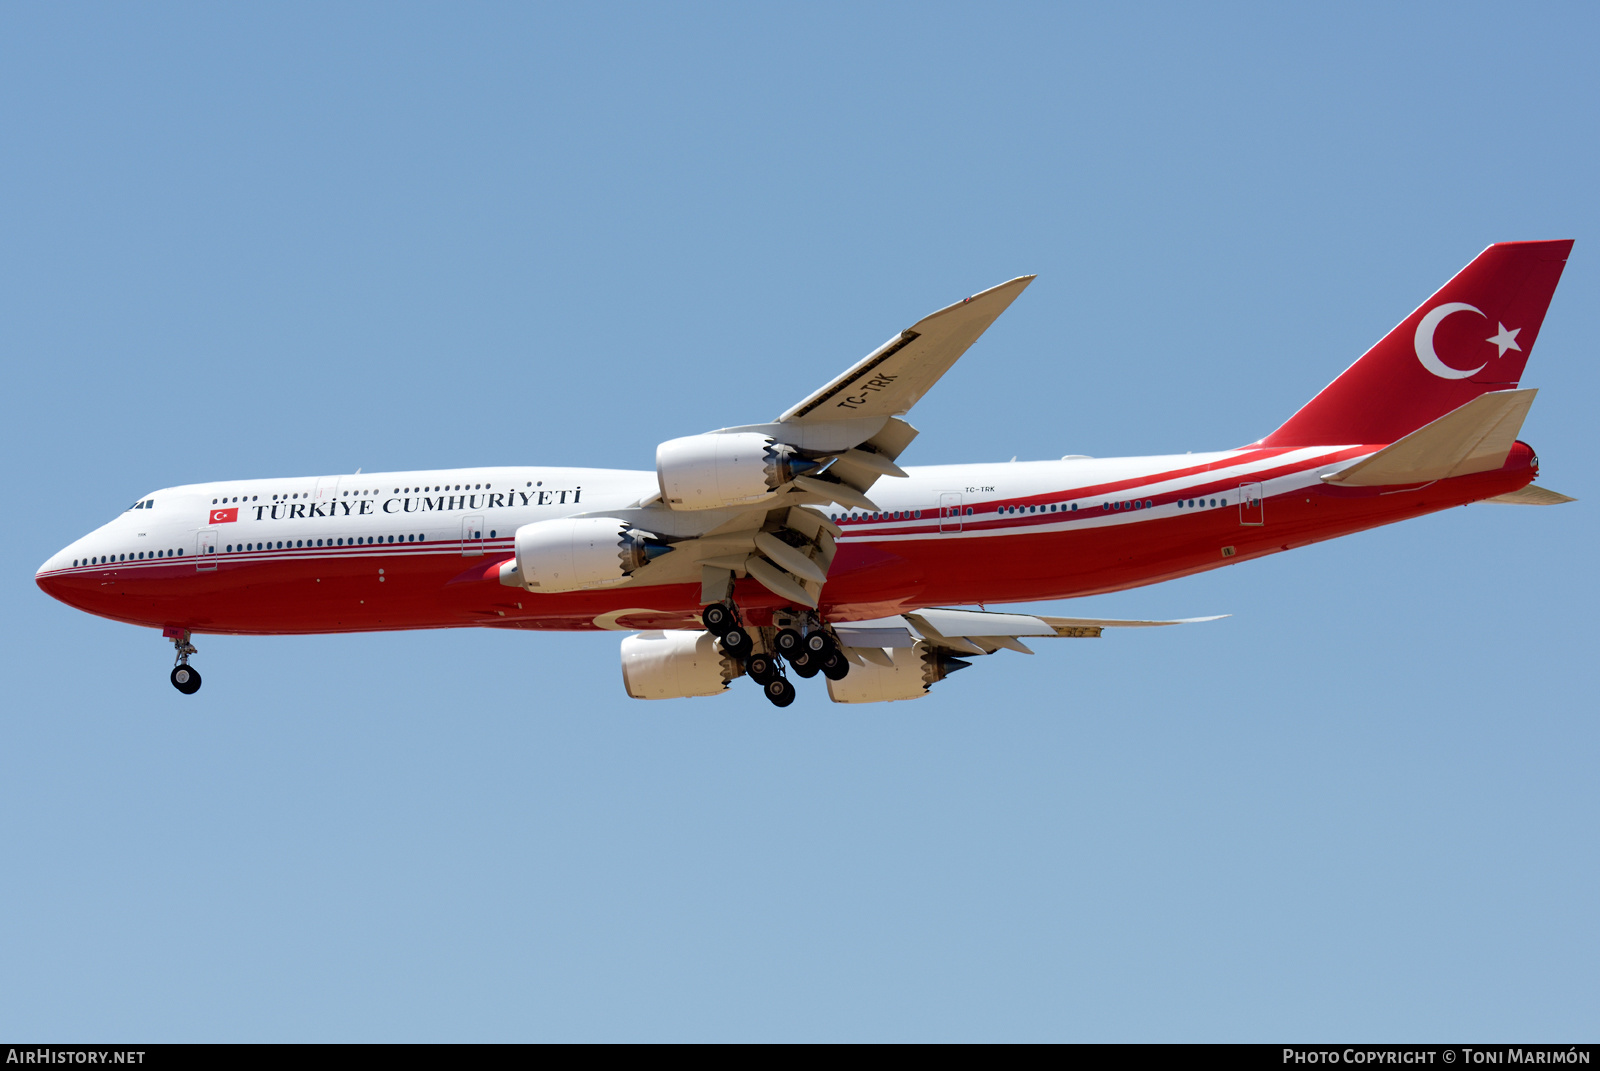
[{"x": 368, "y": 589}]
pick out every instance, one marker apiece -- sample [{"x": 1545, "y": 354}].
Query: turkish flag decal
[{"x": 223, "y": 516}]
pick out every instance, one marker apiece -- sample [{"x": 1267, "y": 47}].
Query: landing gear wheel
[
  {"x": 835, "y": 666},
  {"x": 787, "y": 642},
  {"x": 761, "y": 668},
  {"x": 186, "y": 679},
  {"x": 779, "y": 692},
  {"x": 805, "y": 663},
  {"x": 736, "y": 641},
  {"x": 716, "y": 618},
  {"x": 818, "y": 642}
]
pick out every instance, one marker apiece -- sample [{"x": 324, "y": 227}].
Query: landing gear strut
[{"x": 185, "y": 677}]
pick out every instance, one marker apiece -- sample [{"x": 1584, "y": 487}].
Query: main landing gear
[
  {"x": 807, "y": 653},
  {"x": 721, "y": 619},
  {"x": 185, "y": 677}
]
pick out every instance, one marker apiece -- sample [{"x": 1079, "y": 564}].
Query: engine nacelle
[
  {"x": 739, "y": 468},
  {"x": 915, "y": 670},
  {"x": 574, "y": 553},
  {"x": 675, "y": 665}
]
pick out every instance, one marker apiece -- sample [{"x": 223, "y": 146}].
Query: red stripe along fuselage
[{"x": 951, "y": 535}]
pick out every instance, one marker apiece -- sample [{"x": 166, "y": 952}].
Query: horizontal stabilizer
[
  {"x": 1477, "y": 437},
  {"x": 1532, "y": 495}
]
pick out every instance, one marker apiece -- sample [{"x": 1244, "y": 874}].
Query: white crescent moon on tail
[{"x": 1425, "y": 352}]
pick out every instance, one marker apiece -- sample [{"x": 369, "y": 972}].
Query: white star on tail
[{"x": 1506, "y": 340}]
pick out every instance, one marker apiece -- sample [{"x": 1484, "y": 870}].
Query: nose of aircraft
[{"x": 58, "y": 579}]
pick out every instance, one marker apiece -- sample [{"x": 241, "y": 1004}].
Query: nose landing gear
[{"x": 184, "y": 677}]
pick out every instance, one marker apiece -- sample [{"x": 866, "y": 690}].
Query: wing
[
  {"x": 836, "y": 444},
  {"x": 979, "y": 632},
  {"x": 855, "y": 420},
  {"x": 892, "y": 378},
  {"x": 902, "y": 657}
]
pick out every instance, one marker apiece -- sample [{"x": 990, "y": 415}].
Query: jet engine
[
  {"x": 915, "y": 670},
  {"x": 714, "y": 471},
  {"x": 675, "y": 665},
  {"x": 573, "y": 553}
]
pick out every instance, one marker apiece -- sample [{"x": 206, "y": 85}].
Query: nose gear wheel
[{"x": 186, "y": 679}]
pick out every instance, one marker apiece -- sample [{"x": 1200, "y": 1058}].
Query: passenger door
[
  {"x": 205, "y": 550},
  {"x": 950, "y": 512},
  {"x": 1252, "y": 504},
  {"x": 471, "y": 536}
]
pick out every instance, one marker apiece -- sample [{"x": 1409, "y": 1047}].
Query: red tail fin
[{"x": 1473, "y": 336}]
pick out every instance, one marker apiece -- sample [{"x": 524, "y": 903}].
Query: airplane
[{"x": 801, "y": 546}]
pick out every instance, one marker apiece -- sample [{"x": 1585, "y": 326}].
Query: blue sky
[{"x": 291, "y": 239}]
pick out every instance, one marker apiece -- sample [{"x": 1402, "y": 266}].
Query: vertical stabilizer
[{"x": 1472, "y": 337}]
